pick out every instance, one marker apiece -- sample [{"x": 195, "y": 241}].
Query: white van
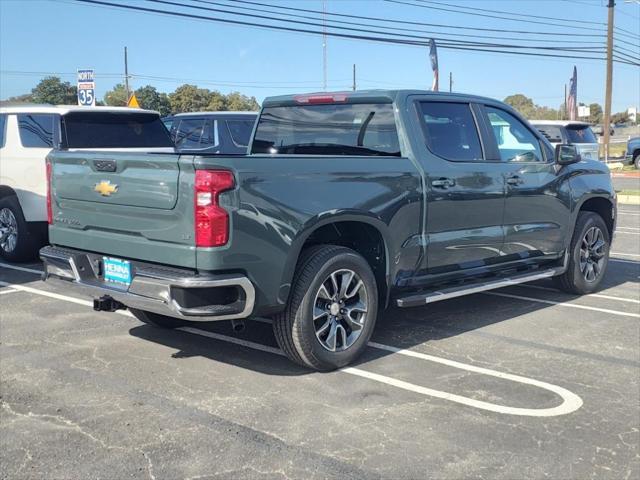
[
  {"x": 570, "y": 132},
  {"x": 27, "y": 135}
]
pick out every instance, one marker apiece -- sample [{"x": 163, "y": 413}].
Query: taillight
[
  {"x": 211, "y": 220},
  {"x": 49, "y": 193}
]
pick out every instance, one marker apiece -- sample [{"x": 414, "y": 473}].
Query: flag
[
  {"x": 572, "y": 100},
  {"x": 433, "y": 55}
]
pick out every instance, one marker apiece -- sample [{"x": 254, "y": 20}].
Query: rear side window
[
  {"x": 114, "y": 130},
  {"x": 240, "y": 131},
  {"x": 516, "y": 143},
  {"x": 553, "y": 133},
  {"x": 580, "y": 134},
  {"x": 187, "y": 132},
  {"x": 3, "y": 129},
  {"x": 450, "y": 131},
  {"x": 336, "y": 129},
  {"x": 36, "y": 131}
]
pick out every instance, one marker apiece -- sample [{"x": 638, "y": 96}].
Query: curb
[{"x": 629, "y": 199}]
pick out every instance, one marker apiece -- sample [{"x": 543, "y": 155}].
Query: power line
[
  {"x": 437, "y": 25},
  {"x": 452, "y": 46},
  {"x": 431, "y": 7}
]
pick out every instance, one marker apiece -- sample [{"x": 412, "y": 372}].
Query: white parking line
[
  {"x": 570, "y": 401},
  {"x": 564, "y": 304},
  {"x": 626, "y": 233},
  {"x": 628, "y": 228},
  {"x": 635, "y": 255},
  {"x": 596, "y": 295},
  {"x": 4, "y": 292},
  {"x": 21, "y": 269}
]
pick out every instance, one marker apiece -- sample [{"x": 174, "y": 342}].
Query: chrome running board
[{"x": 423, "y": 298}]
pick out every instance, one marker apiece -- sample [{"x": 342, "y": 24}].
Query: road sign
[
  {"x": 86, "y": 88},
  {"x": 133, "y": 101},
  {"x": 584, "y": 111}
]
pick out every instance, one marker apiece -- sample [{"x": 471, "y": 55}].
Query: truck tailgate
[{"x": 126, "y": 204}]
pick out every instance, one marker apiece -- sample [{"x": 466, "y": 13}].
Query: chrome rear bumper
[{"x": 175, "y": 292}]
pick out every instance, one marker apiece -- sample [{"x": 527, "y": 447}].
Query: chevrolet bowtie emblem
[{"x": 105, "y": 188}]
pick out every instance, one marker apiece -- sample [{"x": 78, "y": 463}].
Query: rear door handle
[
  {"x": 443, "y": 183},
  {"x": 515, "y": 180}
]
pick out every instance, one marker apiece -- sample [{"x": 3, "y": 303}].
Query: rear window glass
[
  {"x": 344, "y": 129},
  {"x": 114, "y": 130},
  {"x": 580, "y": 134},
  {"x": 240, "y": 131},
  {"x": 553, "y": 133},
  {"x": 36, "y": 131},
  {"x": 3, "y": 127},
  {"x": 187, "y": 132},
  {"x": 450, "y": 131}
]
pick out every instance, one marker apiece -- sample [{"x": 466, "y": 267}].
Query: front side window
[
  {"x": 450, "y": 131},
  {"x": 3, "y": 128},
  {"x": 188, "y": 133},
  {"x": 36, "y": 131},
  {"x": 240, "y": 131},
  {"x": 334, "y": 129},
  {"x": 516, "y": 143}
]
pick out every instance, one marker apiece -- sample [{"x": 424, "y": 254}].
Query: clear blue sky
[{"x": 62, "y": 36}]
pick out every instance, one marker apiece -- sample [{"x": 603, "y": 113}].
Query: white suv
[{"x": 27, "y": 135}]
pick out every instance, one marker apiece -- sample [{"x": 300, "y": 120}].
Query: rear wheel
[
  {"x": 636, "y": 160},
  {"x": 158, "y": 320},
  {"x": 332, "y": 309},
  {"x": 17, "y": 243},
  {"x": 588, "y": 255}
]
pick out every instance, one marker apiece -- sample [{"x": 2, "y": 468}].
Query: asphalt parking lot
[{"x": 524, "y": 382}]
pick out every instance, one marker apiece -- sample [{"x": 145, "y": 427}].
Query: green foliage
[
  {"x": 596, "y": 113},
  {"x": 54, "y": 91},
  {"x": 530, "y": 110},
  {"x": 117, "y": 97},
  {"x": 620, "y": 117},
  {"x": 238, "y": 102},
  {"x": 189, "y": 98},
  {"x": 149, "y": 98}
]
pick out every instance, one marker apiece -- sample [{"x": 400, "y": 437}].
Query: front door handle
[
  {"x": 515, "y": 180},
  {"x": 443, "y": 183}
]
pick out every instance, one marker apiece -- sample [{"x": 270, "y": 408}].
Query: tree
[
  {"x": 117, "y": 97},
  {"x": 54, "y": 91},
  {"x": 217, "y": 101},
  {"x": 522, "y": 104},
  {"x": 25, "y": 98},
  {"x": 596, "y": 113},
  {"x": 620, "y": 117},
  {"x": 189, "y": 98},
  {"x": 236, "y": 101},
  {"x": 149, "y": 98}
]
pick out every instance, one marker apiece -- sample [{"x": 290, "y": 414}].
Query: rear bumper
[{"x": 178, "y": 293}]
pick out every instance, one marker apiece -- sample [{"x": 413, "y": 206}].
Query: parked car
[
  {"x": 211, "y": 132},
  {"x": 599, "y": 130},
  {"x": 633, "y": 152},
  {"x": 27, "y": 135},
  {"x": 347, "y": 203},
  {"x": 570, "y": 132}
]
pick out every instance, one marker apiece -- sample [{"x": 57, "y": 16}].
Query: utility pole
[
  {"x": 324, "y": 45},
  {"x": 607, "y": 92},
  {"x": 450, "y": 82},
  {"x": 126, "y": 75},
  {"x": 354, "y": 77},
  {"x": 564, "y": 105}
]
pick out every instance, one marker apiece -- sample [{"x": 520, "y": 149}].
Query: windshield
[
  {"x": 580, "y": 134},
  {"x": 114, "y": 130},
  {"x": 344, "y": 129}
]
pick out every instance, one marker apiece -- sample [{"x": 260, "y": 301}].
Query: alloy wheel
[
  {"x": 340, "y": 310},
  {"x": 593, "y": 249},
  {"x": 8, "y": 230}
]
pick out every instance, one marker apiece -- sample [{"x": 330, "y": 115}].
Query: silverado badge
[{"x": 105, "y": 188}]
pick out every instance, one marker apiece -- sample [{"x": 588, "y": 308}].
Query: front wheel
[
  {"x": 636, "y": 160},
  {"x": 332, "y": 309},
  {"x": 588, "y": 255}
]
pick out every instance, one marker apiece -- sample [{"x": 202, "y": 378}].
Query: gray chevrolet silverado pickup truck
[{"x": 345, "y": 204}]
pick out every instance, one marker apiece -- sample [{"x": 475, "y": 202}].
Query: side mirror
[{"x": 567, "y": 154}]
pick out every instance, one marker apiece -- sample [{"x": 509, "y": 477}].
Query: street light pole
[{"x": 607, "y": 94}]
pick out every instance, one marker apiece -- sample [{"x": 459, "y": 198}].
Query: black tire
[
  {"x": 636, "y": 160},
  {"x": 295, "y": 329},
  {"x": 158, "y": 320},
  {"x": 24, "y": 245},
  {"x": 573, "y": 280}
]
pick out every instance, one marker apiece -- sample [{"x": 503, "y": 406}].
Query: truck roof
[
  {"x": 218, "y": 112},
  {"x": 64, "y": 109},
  {"x": 376, "y": 95}
]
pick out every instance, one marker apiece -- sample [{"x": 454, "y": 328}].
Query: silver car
[{"x": 570, "y": 132}]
